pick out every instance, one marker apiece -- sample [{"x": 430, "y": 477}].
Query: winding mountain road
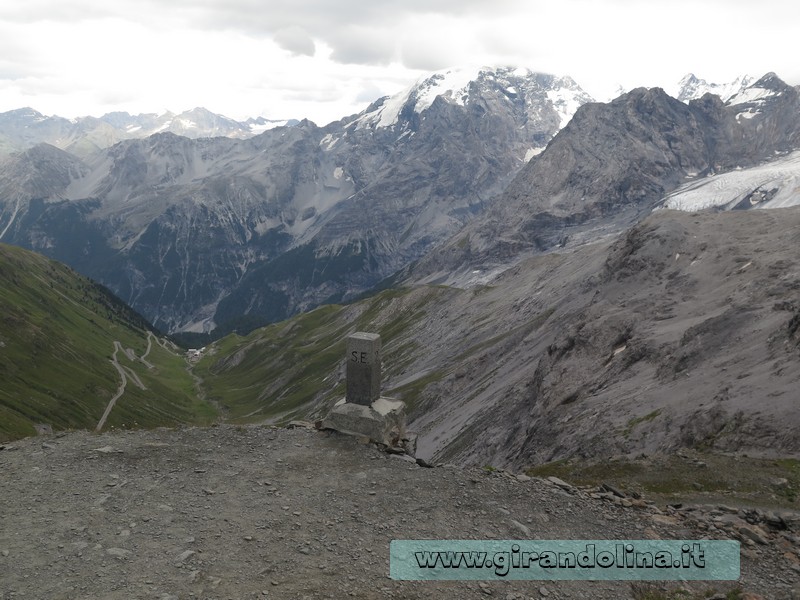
[{"x": 124, "y": 378}]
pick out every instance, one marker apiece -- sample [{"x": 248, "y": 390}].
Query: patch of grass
[
  {"x": 631, "y": 424},
  {"x": 725, "y": 479},
  {"x": 57, "y": 334},
  {"x": 294, "y": 369}
]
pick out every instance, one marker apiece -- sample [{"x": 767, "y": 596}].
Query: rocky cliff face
[{"x": 195, "y": 233}]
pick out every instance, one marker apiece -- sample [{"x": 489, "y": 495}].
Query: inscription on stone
[{"x": 363, "y": 368}]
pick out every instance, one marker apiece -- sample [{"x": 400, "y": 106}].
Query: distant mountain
[
  {"x": 64, "y": 343},
  {"x": 692, "y": 88},
  {"x": 23, "y": 128},
  {"x": 612, "y": 164},
  {"x": 199, "y": 232}
]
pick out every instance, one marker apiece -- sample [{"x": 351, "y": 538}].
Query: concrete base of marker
[{"x": 384, "y": 421}]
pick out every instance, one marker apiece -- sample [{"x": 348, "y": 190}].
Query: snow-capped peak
[
  {"x": 766, "y": 87},
  {"x": 451, "y": 84},
  {"x": 690, "y": 87},
  {"x": 456, "y": 86}
]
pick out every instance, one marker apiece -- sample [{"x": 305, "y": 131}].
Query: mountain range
[
  {"x": 200, "y": 233},
  {"x": 24, "y": 128},
  {"x": 615, "y": 163}
]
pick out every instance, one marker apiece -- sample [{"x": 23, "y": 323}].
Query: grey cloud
[
  {"x": 424, "y": 58},
  {"x": 296, "y": 40},
  {"x": 357, "y": 45},
  {"x": 369, "y": 94},
  {"x": 358, "y": 32},
  {"x": 346, "y": 25}
]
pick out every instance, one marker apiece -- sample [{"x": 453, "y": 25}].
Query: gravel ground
[{"x": 257, "y": 512}]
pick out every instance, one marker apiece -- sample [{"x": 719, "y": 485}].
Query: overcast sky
[{"x": 327, "y": 59}]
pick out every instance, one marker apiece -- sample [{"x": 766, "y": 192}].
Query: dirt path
[
  {"x": 143, "y": 357},
  {"x": 262, "y": 513},
  {"x": 120, "y": 390},
  {"x": 123, "y": 379}
]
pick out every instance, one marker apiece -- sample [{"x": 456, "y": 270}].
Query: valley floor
[{"x": 260, "y": 512}]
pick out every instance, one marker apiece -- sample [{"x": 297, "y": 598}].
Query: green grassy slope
[
  {"x": 57, "y": 334},
  {"x": 294, "y": 369}
]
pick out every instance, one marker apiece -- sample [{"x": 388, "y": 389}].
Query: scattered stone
[
  {"x": 616, "y": 491},
  {"x": 522, "y": 477},
  {"x": 106, "y": 450},
  {"x": 664, "y": 520},
  {"x": 406, "y": 458},
  {"x": 185, "y": 555},
  {"x": 560, "y": 483},
  {"x": 118, "y": 552},
  {"x": 754, "y": 533},
  {"x": 524, "y": 529}
]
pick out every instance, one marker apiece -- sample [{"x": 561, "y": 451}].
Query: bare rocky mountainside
[
  {"x": 682, "y": 332},
  {"x": 198, "y": 233}
]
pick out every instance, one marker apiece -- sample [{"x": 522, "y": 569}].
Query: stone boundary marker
[
  {"x": 363, "y": 411},
  {"x": 363, "y": 368}
]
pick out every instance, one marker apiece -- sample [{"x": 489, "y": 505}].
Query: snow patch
[
  {"x": 565, "y": 104},
  {"x": 747, "y": 114},
  {"x": 338, "y": 172},
  {"x": 752, "y": 94},
  {"x": 531, "y": 152},
  {"x": 778, "y": 180},
  {"x": 328, "y": 142},
  {"x": 257, "y": 128}
]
